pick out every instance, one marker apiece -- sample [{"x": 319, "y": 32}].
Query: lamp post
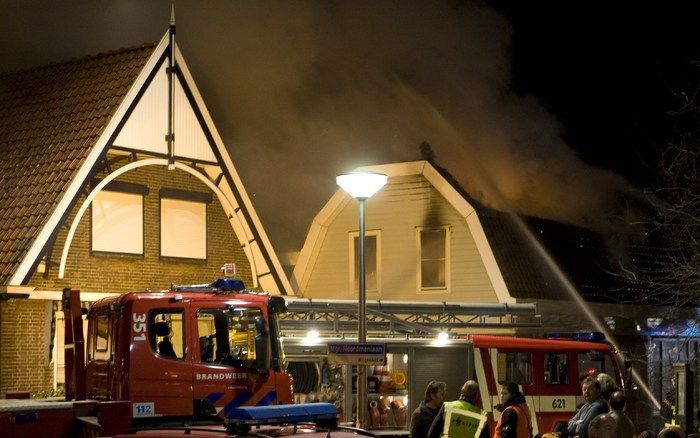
[{"x": 361, "y": 186}]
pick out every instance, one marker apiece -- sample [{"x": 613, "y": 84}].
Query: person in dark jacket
[
  {"x": 515, "y": 420},
  {"x": 466, "y": 402},
  {"x": 625, "y": 427},
  {"x": 594, "y": 406},
  {"x": 425, "y": 413},
  {"x": 603, "y": 426}
]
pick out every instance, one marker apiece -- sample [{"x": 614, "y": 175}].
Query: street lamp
[{"x": 361, "y": 186}]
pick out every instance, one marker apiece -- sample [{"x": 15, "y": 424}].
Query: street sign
[{"x": 356, "y": 353}]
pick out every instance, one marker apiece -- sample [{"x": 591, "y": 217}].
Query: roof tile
[{"x": 50, "y": 118}]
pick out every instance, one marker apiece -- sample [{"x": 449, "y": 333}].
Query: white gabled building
[{"x": 424, "y": 243}]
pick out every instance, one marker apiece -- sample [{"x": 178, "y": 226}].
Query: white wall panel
[
  {"x": 147, "y": 125},
  {"x": 190, "y": 140}
]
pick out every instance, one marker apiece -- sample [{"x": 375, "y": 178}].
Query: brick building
[{"x": 112, "y": 178}]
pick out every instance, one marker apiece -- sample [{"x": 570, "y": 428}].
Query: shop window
[
  {"x": 515, "y": 367},
  {"x": 227, "y": 336},
  {"x": 372, "y": 257},
  {"x": 117, "y": 222},
  {"x": 166, "y": 329},
  {"x": 387, "y": 387},
  {"x": 556, "y": 369},
  {"x": 433, "y": 258},
  {"x": 183, "y": 228}
]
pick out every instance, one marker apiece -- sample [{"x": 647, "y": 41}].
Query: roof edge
[{"x": 31, "y": 257}]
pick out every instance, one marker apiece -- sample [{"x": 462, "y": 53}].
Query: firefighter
[
  {"x": 668, "y": 406},
  {"x": 461, "y": 418},
  {"x": 515, "y": 420}
]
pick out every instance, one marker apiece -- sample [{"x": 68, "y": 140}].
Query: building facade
[{"x": 113, "y": 178}]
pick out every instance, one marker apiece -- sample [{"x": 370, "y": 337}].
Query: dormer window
[
  {"x": 433, "y": 259},
  {"x": 372, "y": 258}
]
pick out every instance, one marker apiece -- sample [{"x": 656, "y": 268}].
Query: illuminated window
[
  {"x": 183, "y": 228},
  {"x": 117, "y": 222},
  {"x": 515, "y": 367},
  {"x": 372, "y": 258},
  {"x": 433, "y": 258},
  {"x": 227, "y": 336}
]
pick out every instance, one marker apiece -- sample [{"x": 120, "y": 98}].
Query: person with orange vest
[{"x": 515, "y": 420}]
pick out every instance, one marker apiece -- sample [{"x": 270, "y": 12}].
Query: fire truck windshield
[{"x": 227, "y": 335}]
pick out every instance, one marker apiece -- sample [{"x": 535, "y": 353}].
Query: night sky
[
  {"x": 550, "y": 108},
  {"x": 607, "y": 71}
]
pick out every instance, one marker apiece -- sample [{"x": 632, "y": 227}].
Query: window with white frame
[
  {"x": 372, "y": 258},
  {"x": 117, "y": 222},
  {"x": 433, "y": 258},
  {"x": 183, "y": 228}
]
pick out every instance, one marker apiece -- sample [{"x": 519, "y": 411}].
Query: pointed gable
[
  {"x": 50, "y": 119},
  {"x": 143, "y": 131},
  {"x": 63, "y": 124}
]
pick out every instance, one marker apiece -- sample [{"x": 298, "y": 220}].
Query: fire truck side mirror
[{"x": 262, "y": 344}]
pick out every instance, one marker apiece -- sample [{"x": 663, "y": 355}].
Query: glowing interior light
[
  {"x": 405, "y": 400},
  {"x": 311, "y": 337},
  {"x": 442, "y": 339},
  {"x": 405, "y": 358}
]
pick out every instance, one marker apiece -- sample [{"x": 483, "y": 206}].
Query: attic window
[
  {"x": 372, "y": 266},
  {"x": 433, "y": 259},
  {"x": 183, "y": 224},
  {"x": 117, "y": 222}
]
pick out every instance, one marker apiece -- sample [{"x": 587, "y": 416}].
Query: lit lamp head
[{"x": 361, "y": 185}]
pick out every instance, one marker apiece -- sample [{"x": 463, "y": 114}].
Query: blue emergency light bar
[
  {"x": 233, "y": 284},
  {"x": 283, "y": 414},
  {"x": 578, "y": 336}
]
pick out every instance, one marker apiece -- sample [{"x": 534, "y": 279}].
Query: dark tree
[{"x": 677, "y": 224}]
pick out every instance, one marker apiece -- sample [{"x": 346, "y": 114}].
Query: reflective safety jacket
[
  {"x": 523, "y": 427},
  {"x": 463, "y": 420}
]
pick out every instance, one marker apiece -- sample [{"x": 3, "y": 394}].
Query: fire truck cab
[
  {"x": 191, "y": 351},
  {"x": 189, "y": 355}
]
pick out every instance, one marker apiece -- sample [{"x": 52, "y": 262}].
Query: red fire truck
[
  {"x": 191, "y": 354},
  {"x": 548, "y": 370}
]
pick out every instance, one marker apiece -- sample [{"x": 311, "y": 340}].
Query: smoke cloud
[{"x": 302, "y": 91}]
